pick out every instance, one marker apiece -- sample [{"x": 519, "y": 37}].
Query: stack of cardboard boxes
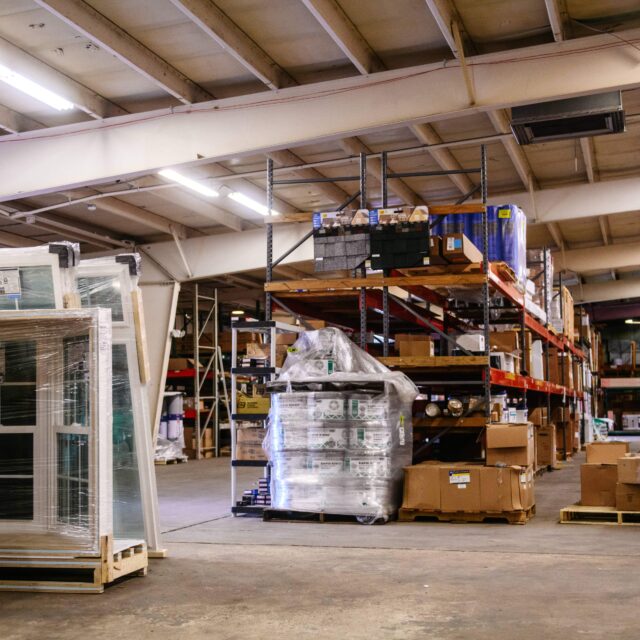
[
  {"x": 544, "y": 439},
  {"x": 504, "y": 485},
  {"x": 567, "y": 431},
  {"x": 610, "y": 477}
]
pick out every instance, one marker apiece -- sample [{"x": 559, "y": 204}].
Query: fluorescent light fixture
[
  {"x": 237, "y": 312},
  {"x": 630, "y": 321},
  {"x": 194, "y": 185},
  {"x": 34, "y": 90},
  {"x": 252, "y": 204}
]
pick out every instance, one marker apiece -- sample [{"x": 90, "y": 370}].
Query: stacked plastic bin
[{"x": 341, "y": 449}]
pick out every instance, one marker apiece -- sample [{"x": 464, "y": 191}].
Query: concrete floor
[{"x": 239, "y": 578}]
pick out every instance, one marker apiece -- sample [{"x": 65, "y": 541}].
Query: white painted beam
[
  {"x": 556, "y": 234},
  {"x": 85, "y": 99},
  {"x": 604, "y": 291},
  {"x": 9, "y": 239},
  {"x": 611, "y": 256},
  {"x": 407, "y": 195},
  {"x": 213, "y": 21},
  {"x": 445, "y": 14},
  {"x": 345, "y": 34},
  {"x": 85, "y": 19},
  {"x": 426, "y": 134},
  {"x": 15, "y": 122},
  {"x": 556, "y": 20},
  {"x": 142, "y": 143},
  {"x": 604, "y": 228},
  {"x": 589, "y": 155}
]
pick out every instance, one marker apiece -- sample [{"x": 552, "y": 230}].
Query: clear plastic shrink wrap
[
  {"x": 55, "y": 430},
  {"x": 340, "y": 430}
]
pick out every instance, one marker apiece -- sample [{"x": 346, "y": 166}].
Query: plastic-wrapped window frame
[
  {"x": 118, "y": 268},
  {"x": 46, "y": 532}
]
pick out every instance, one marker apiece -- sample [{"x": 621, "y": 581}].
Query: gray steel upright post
[
  {"x": 485, "y": 288},
  {"x": 363, "y": 290},
  {"x": 196, "y": 364},
  {"x": 269, "y": 274},
  {"x": 385, "y": 290}
]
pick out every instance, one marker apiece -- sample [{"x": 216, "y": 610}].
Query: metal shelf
[
  {"x": 252, "y": 371},
  {"x": 249, "y": 463},
  {"x": 249, "y": 417}
]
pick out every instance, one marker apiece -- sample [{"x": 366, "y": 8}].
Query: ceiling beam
[
  {"x": 557, "y": 18},
  {"x": 612, "y": 256},
  {"x": 556, "y": 234},
  {"x": 604, "y": 229},
  {"x": 83, "y": 98},
  {"x": 15, "y": 122},
  {"x": 138, "y": 144},
  {"x": 604, "y": 291},
  {"x": 353, "y": 146},
  {"x": 426, "y": 134},
  {"x": 445, "y": 15},
  {"x": 213, "y": 21},
  {"x": 589, "y": 155},
  {"x": 86, "y": 20},
  {"x": 345, "y": 34},
  {"x": 9, "y": 239}
]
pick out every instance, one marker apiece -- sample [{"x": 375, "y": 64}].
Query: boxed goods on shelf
[
  {"x": 545, "y": 438},
  {"x": 561, "y": 312},
  {"x": 458, "y": 249},
  {"x": 510, "y": 444},
  {"x": 598, "y": 484},
  {"x": 629, "y": 469},
  {"x": 338, "y": 442},
  {"x": 538, "y": 416},
  {"x": 253, "y": 403},
  {"x": 249, "y": 443},
  {"x": 413, "y": 345},
  {"x": 399, "y": 245}
]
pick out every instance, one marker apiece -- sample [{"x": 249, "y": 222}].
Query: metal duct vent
[{"x": 573, "y": 118}]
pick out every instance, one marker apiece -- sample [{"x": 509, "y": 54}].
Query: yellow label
[{"x": 504, "y": 213}]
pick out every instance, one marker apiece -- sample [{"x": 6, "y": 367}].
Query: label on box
[
  {"x": 10, "y": 283},
  {"x": 504, "y": 213},
  {"x": 461, "y": 486},
  {"x": 454, "y": 243},
  {"x": 459, "y": 477}
]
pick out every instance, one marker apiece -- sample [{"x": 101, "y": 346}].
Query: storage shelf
[
  {"x": 426, "y": 362},
  {"x": 517, "y": 381},
  {"x": 249, "y": 463},
  {"x": 185, "y": 373},
  {"x": 250, "y": 417},
  {"x": 253, "y": 371}
]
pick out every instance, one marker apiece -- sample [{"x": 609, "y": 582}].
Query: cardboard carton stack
[
  {"x": 567, "y": 431},
  {"x": 628, "y": 486},
  {"x": 504, "y": 485},
  {"x": 599, "y": 474},
  {"x": 413, "y": 345},
  {"x": 544, "y": 439}
]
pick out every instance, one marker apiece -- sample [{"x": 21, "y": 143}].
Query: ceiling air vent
[{"x": 573, "y": 118}]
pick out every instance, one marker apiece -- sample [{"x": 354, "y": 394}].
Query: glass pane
[
  {"x": 36, "y": 284},
  {"x": 18, "y": 405},
  {"x": 102, "y": 291},
  {"x": 76, "y": 381},
  {"x": 16, "y": 454},
  {"x": 73, "y": 479},
  {"x": 19, "y": 361},
  {"x": 127, "y": 511},
  {"x": 16, "y": 498}
]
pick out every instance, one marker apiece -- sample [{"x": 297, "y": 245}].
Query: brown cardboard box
[
  {"x": 552, "y": 372},
  {"x": 546, "y": 445},
  {"x": 598, "y": 484},
  {"x": 507, "y": 341},
  {"x": 422, "y": 486},
  {"x": 458, "y": 249},
  {"x": 629, "y": 469},
  {"x": 286, "y": 338},
  {"x": 506, "y": 489},
  {"x": 460, "y": 487},
  {"x": 252, "y": 404},
  {"x": 538, "y": 416},
  {"x": 316, "y": 324},
  {"x": 250, "y": 452},
  {"x": 627, "y": 497},
  {"x": 510, "y": 444},
  {"x": 250, "y": 436},
  {"x": 258, "y": 350},
  {"x": 566, "y": 370},
  {"x": 435, "y": 250},
  {"x": 177, "y": 364},
  {"x": 413, "y": 345},
  {"x": 469, "y": 487},
  {"x": 564, "y": 437},
  {"x": 606, "y": 452}
]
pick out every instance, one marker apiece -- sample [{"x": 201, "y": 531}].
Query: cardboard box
[
  {"x": 252, "y": 436},
  {"x": 252, "y": 404},
  {"x": 178, "y": 364},
  {"x": 510, "y": 444},
  {"x": 458, "y": 249},
  {"x": 627, "y": 497},
  {"x": 250, "y": 452},
  {"x": 629, "y": 469},
  {"x": 258, "y": 350},
  {"x": 538, "y": 416},
  {"x": 468, "y": 487},
  {"x": 598, "y": 484},
  {"x": 507, "y": 341},
  {"x": 435, "y": 250},
  {"x": 422, "y": 486},
  {"x": 286, "y": 338},
  {"x": 606, "y": 452},
  {"x": 545, "y": 445},
  {"x": 413, "y": 345}
]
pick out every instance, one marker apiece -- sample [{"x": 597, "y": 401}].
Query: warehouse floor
[{"x": 242, "y": 578}]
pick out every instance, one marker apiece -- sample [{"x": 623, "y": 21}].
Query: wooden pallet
[
  {"x": 505, "y": 271},
  {"x": 579, "y": 514},
  {"x": 512, "y": 517},
  {"x": 172, "y": 460},
  {"x": 287, "y": 515},
  {"x": 72, "y": 574}
]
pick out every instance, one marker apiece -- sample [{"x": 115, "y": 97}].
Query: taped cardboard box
[
  {"x": 545, "y": 445},
  {"x": 252, "y": 436},
  {"x": 422, "y": 486},
  {"x": 606, "y": 452},
  {"x": 458, "y": 249},
  {"x": 510, "y": 444},
  {"x": 258, "y": 350},
  {"x": 538, "y": 416},
  {"x": 252, "y": 403},
  {"x": 409, "y": 345},
  {"x": 627, "y": 497},
  {"x": 598, "y": 484},
  {"x": 629, "y": 469},
  {"x": 250, "y": 452}
]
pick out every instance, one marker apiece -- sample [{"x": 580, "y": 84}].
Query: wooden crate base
[
  {"x": 287, "y": 515},
  {"x": 512, "y": 517},
  {"x": 579, "y": 514},
  {"x": 72, "y": 574}
]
